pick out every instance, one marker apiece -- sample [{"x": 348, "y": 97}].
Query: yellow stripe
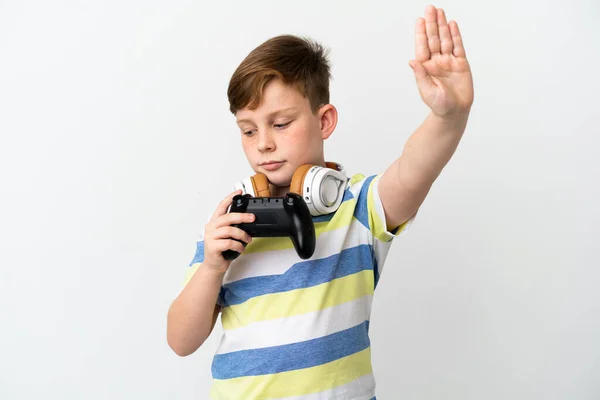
[
  {"x": 377, "y": 222},
  {"x": 190, "y": 272},
  {"x": 297, "y": 382},
  {"x": 298, "y": 301},
  {"x": 356, "y": 178}
]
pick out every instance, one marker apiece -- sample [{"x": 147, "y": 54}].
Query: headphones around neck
[{"x": 322, "y": 188}]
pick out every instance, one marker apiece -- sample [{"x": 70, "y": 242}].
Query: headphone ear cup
[
  {"x": 296, "y": 186},
  {"x": 260, "y": 184}
]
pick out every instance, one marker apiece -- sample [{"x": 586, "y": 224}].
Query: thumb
[
  {"x": 224, "y": 205},
  {"x": 421, "y": 74}
]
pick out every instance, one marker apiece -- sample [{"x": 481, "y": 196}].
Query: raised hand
[{"x": 441, "y": 68}]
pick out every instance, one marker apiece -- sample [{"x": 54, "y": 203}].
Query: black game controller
[{"x": 276, "y": 217}]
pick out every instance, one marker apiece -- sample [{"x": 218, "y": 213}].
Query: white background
[{"x": 117, "y": 143}]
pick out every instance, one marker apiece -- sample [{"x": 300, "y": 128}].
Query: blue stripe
[
  {"x": 323, "y": 218},
  {"x": 221, "y": 298},
  {"x": 199, "y": 256},
  {"x": 301, "y": 275},
  {"x": 347, "y": 195},
  {"x": 310, "y": 353},
  {"x": 361, "y": 213}
]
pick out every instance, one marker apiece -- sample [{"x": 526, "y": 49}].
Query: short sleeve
[
  {"x": 196, "y": 261},
  {"x": 198, "y": 256},
  {"x": 195, "y": 264},
  {"x": 369, "y": 211},
  {"x": 376, "y": 214}
]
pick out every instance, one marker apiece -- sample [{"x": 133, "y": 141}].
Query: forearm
[
  {"x": 445, "y": 84},
  {"x": 428, "y": 150},
  {"x": 192, "y": 314}
]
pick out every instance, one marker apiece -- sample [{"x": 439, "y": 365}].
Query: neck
[{"x": 278, "y": 191}]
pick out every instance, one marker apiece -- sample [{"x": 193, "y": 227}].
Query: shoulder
[
  {"x": 358, "y": 204},
  {"x": 358, "y": 184},
  {"x": 364, "y": 189}
]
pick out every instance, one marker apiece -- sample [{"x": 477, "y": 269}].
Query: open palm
[{"x": 441, "y": 68}]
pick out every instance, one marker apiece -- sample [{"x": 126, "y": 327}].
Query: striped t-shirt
[{"x": 299, "y": 329}]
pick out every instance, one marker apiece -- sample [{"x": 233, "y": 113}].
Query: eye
[
  {"x": 281, "y": 126},
  {"x": 248, "y": 133}
]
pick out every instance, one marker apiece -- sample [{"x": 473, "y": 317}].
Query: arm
[
  {"x": 193, "y": 313},
  {"x": 445, "y": 83}
]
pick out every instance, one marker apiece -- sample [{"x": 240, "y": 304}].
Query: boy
[{"x": 294, "y": 328}]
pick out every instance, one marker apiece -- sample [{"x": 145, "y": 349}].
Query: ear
[{"x": 328, "y": 118}]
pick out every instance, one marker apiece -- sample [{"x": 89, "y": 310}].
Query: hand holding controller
[{"x": 277, "y": 217}]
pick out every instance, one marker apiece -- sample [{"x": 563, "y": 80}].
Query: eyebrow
[{"x": 274, "y": 113}]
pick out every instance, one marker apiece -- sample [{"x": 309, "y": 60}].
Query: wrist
[
  {"x": 451, "y": 122},
  {"x": 211, "y": 271}
]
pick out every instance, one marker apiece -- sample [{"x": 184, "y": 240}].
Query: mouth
[{"x": 271, "y": 165}]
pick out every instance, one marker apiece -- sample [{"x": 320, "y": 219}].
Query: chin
[{"x": 280, "y": 178}]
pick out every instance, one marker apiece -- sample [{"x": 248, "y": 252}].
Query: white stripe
[
  {"x": 355, "y": 189},
  {"x": 297, "y": 328},
  {"x": 277, "y": 262},
  {"x": 379, "y": 210},
  {"x": 362, "y": 388},
  {"x": 381, "y": 250}
]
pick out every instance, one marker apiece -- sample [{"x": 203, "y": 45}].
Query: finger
[
  {"x": 444, "y": 30},
  {"x": 224, "y": 204},
  {"x": 231, "y": 232},
  {"x": 421, "y": 45},
  {"x": 233, "y": 218},
  {"x": 230, "y": 245},
  {"x": 459, "y": 50},
  {"x": 431, "y": 28}
]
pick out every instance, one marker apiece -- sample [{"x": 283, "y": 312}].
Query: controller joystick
[{"x": 276, "y": 217}]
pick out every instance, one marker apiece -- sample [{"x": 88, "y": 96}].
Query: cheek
[
  {"x": 247, "y": 147},
  {"x": 303, "y": 136}
]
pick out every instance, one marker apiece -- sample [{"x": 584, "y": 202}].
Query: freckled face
[{"x": 281, "y": 134}]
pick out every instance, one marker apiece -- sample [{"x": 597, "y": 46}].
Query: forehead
[{"x": 277, "y": 97}]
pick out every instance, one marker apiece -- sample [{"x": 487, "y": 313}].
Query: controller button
[{"x": 239, "y": 201}]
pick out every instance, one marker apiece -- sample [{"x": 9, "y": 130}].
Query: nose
[{"x": 266, "y": 142}]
